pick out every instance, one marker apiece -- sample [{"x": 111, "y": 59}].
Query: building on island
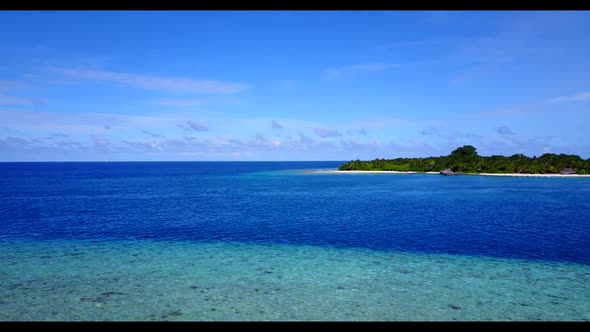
[
  {"x": 446, "y": 172},
  {"x": 568, "y": 171}
]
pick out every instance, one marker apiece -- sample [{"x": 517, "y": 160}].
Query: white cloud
[
  {"x": 323, "y": 132},
  {"x": 334, "y": 73},
  {"x": 154, "y": 135},
  {"x": 79, "y": 123},
  {"x": 515, "y": 38},
  {"x": 428, "y": 131},
  {"x": 105, "y": 145},
  {"x": 260, "y": 138},
  {"x": 178, "y": 102},
  {"x": 582, "y": 96},
  {"x": 360, "y": 131},
  {"x": 15, "y": 100},
  {"x": 6, "y": 85},
  {"x": 276, "y": 125},
  {"x": 58, "y": 136},
  {"x": 417, "y": 43},
  {"x": 192, "y": 126},
  {"x": 504, "y": 131},
  {"x": 382, "y": 122},
  {"x": 151, "y": 82}
]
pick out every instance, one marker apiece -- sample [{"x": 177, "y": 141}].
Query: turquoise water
[
  {"x": 154, "y": 281},
  {"x": 277, "y": 242}
]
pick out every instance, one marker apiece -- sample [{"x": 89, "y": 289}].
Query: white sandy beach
[
  {"x": 483, "y": 174},
  {"x": 538, "y": 175},
  {"x": 377, "y": 172},
  {"x": 380, "y": 172}
]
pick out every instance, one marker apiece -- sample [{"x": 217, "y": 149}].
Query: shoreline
[{"x": 482, "y": 174}]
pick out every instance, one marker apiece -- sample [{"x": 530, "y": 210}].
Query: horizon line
[{"x": 169, "y": 161}]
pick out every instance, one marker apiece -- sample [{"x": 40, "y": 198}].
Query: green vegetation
[{"x": 466, "y": 160}]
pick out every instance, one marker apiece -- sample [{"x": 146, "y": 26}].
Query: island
[{"x": 465, "y": 160}]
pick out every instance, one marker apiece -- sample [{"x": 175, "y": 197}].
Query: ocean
[{"x": 288, "y": 241}]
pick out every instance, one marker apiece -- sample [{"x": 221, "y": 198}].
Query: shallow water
[
  {"x": 272, "y": 241},
  {"x": 149, "y": 280}
]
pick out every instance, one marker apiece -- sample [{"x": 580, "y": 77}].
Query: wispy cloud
[
  {"x": 504, "y": 131},
  {"x": 31, "y": 148},
  {"x": 287, "y": 83},
  {"x": 10, "y": 99},
  {"x": 8, "y": 85},
  {"x": 18, "y": 142},
  {"x": 151, "y": 82},
  {"x": 15, "y": 100},
  {"x": 258, "y": 146},
  {"x": 192, "y": 126},
  {"x": 582, "y": 96},
  {"x": 428, "y": 131},
  {"x": 417, "y": 43},
  {"x": 67, "y": 145},
  {"x": 80, "y": 123},
  {"x": 516, "y": 110},
  {"x": 334, "y": 73},
  {"x": 178, "y": 102},
  {"x": 461, "y": 135},
  {"x": 149, "y": 133},
  {"x": 389, "y": 122},
  {"x": 58, "y": 136},
  {"x": 305, "y": 140},
  {"x": 276, "y": 125},
  {"x": 514, "y": 38},
  {"x": 360, "y": 131},
  {"x": 526, "y": 109},
  {"x": 381, "y": 122},
  {"x": 104, "y": 145},
  {"x": 323, "y": 132},
  {"x": 260, "y": 138},
  {"x": 532, "y": 146},
  {"x": 147, "y": 146}
]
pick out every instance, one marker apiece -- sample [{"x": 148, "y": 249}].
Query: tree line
[{"x": 466, "y": 160}]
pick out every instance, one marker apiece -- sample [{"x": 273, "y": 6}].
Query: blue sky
[{"x": 291, "y": 85}]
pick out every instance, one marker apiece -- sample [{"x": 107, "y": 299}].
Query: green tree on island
[{"x": 466, "y": 160}]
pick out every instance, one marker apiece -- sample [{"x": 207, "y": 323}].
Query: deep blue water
[{"x": 277, "y": 202}]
